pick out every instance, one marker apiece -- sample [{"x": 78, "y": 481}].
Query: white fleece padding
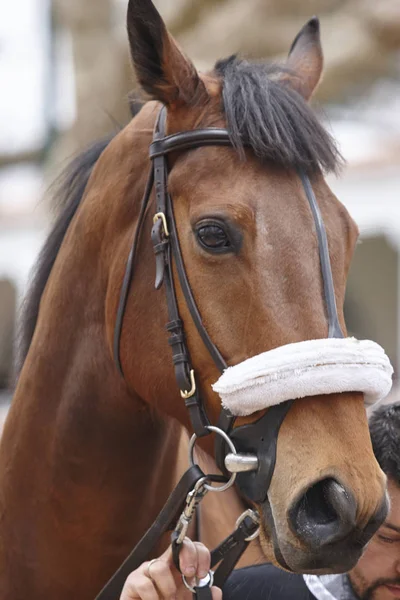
[{"x": 310, "y": 368}]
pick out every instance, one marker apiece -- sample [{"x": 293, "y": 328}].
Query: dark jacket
[{"x": 265, "y": 582}]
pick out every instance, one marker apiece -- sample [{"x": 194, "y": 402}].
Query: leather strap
[
  {"x": 162, "y": 237},
  {"x": 188, "y": 294},
  {"x": 202, "y": 593},
  {"x": 165, "y": 239},
  {"x": 230, "y": 550},
  {"x": 166, "y": 520},
  {"x": 129, "y": 273},
  {"x": 226, "y": 554},
  {"x": 334, "y": 328},
  {"x": 189, "y": 140}
]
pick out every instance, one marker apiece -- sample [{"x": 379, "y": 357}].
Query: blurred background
[{"x": 65, "y": 79}]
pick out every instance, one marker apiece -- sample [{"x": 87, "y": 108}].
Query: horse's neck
[{"x": 84, "y": 466}]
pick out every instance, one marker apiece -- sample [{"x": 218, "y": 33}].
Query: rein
[{"x": 246, "y": 454}]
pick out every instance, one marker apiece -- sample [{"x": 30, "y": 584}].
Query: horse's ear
[
  {"x": 305, "y": 61},
  {"x": 162, "y": 69}
]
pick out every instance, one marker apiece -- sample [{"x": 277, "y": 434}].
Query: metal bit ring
[{"x": 232, "y": 448}]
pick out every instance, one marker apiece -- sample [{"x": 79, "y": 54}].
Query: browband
[{"x": 188, "y": 140}]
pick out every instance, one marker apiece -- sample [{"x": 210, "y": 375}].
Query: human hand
[{"x": 160, "y": 580}]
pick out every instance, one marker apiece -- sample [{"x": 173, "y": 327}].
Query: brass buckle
[
  {"x": 161, "y": 216},
  {"x": 185, "y": 395}
]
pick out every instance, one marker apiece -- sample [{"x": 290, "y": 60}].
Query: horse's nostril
[{"x": 324, "y": 514}]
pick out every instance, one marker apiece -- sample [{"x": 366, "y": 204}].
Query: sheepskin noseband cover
[{"x": 311, "y": 368}]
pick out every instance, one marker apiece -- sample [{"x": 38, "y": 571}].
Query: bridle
[
  {"x": 252, "y": 455},
  {"x": 167, "y": 249}
]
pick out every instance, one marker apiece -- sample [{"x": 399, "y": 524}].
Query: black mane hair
[
  {"x": 68, "y": 193},
  {"x": 384, "y": 426},
  {"x": 275, "y": 121}
]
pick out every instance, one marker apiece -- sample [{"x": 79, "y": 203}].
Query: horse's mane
[
  {"x": 263, "y": 112},
  {"x": 68, "y": 193}
]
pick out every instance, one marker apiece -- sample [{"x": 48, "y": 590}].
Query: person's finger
[
  {"x": 188, "y": 558},
  {"x": 139, "y": 587},
  {"x": 203, "y": 560},
  {"x": 216, "y": 593},
  {"x": 160, "y": 574}
]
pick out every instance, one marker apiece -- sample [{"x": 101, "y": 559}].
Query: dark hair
[
  {"x": 265, "y": 114},
  {"x": 384, "y": 426}
]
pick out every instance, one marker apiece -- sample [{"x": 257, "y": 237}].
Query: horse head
[{"x": 251, "y": 255}]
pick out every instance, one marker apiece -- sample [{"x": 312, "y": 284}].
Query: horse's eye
[{"x": 213, "y": 237}]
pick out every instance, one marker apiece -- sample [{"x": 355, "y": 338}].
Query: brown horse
[{"x": 88, "y": 457}]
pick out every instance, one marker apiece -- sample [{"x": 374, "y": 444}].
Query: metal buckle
[
  {"x": 185, "y": 395},
  {"x": 163, "y": 218},
  {"x": 193, "y": 499},
  {"x": 255, "y": 517},
  {"x": 207, "y": 581},
  {"x": 232, "y": 448}
]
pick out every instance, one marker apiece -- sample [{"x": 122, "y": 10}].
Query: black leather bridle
[{"x": 258, "y": 439}]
